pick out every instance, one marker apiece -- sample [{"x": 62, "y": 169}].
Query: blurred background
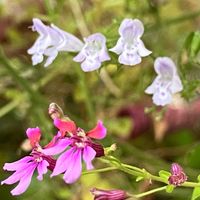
[{"x": 146, "y": 136}]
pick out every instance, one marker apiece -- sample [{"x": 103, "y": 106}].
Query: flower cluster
[
  {"x": 53, "y": 40},
  {"x": 93, "y": 51},
  {"x": 71, "y": 143}
]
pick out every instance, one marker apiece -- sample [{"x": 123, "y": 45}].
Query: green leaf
[
  {"x": 164, "y": 174},
  {"x": 170, "y": 188},
  {"x": 139, "y": 178},
  {"x": 196, "y": 193},
  {"x": 195, "y": 44}
]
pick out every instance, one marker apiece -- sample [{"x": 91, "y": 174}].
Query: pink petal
[
  {"x": 88, "y": 155},
  {"x": 17, "y": 164},
  {"x": 24, "y": 181},
  {"x": 99, "y": 132},
  {"x": 15, "y": 177},
  {"x": 53, "y": 141},
  {"x": 33, "y": 135},
  {"x": 60, "y": 146},
  {"x": 65, "y": 126},
  {"x": 42, "y": 169},
  {"x": 75, "y": 169},
  {"x": 63, "y": 162}
]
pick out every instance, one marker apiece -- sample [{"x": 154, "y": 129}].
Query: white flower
[
  {"x": 130, "y": 47},
  {"x": 93, "y": 53},
  {"x": 51, "y": 41},
  {"x": 166, "y": 83}
]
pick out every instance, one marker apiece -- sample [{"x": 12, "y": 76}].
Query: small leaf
[
  {"x": 170, "y": 188},
  {"x": 139, "y": 178},
  {"x": 195, "y": 44},
  {"x": 198, "y": 178},
  {"x": 196, "y": 193},
  {"x": 164, "y": 174}
]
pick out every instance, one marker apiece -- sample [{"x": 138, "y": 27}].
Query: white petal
[
  {"x": 90, "y": 65},
  {"x": 118, "y": 48},
  {"x": 142, "y": 50},
  {"x": 176, "y": 85},
  {"x": 132, "y": 59},
  {"x": 165, "y": 65},
  {"x": 162, "y": 97}
]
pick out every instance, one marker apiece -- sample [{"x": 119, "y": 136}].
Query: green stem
[
  {"x": 175, "y": 20},
  {"x": 99, "y": 170},
  {"x": 132, "y": 167},
  {"x": 190, "y": 184},
  {"x": 150, "y": 192},
  {"x": 34, "y": 95},
  {"x": 87, "y": 96}
]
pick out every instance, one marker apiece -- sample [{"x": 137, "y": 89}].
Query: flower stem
[
  {"x": 87, "y": 97},
  {"x": 99, "y": 170},
  {"x": 150, "y": 192},
  {"x": 190, "y": 184}
]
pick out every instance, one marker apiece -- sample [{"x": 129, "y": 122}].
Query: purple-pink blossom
[
  {"x": 130, "y": 47},
  {"x": 100, "y": 194},
  {"x": 24, "y": 168},
  {"x": 75, "y": 148},
  {"x": 178, "y": 176}
]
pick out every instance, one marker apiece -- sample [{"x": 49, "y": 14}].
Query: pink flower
[
  {"x": 25, "y": 167},
  {"x": 109, "y": 194},
  {"x": 79, "y": 146},
  {"x": 178, "y": 176}
]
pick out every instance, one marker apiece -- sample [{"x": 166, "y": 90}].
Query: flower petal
[
  {"x": 88, "y": 155},
  {"x": 15, "y": 177},
  {"x": 24, "y": 181},
  {"x": 153, "y": 87},
  {"x": 65, "y": 126},
  {"x": 17, "y": 164},
  {"x": 99, "y": 132},
  {"x": 90, "y": 65},
  {"x": 42, "y": 169},
  {"x": 118, "y": 48},
  {"x": 176, "y": 85},
  {"x": 70, "y": 43},
  {"x": 132, "y": 59},
  {"x": 79, "y": 57},
  {"x": 142, "y": 50},
  {"x": 63, "y": 162},
  {"x": 33, "y": 135},
  {"x": 60, "y": 146},
  {"x": 165, "y": 66},
  {"x": 130, "y": 27},
  {"x": 75, "y": 169},
  {"x": 162, "y": 97}
]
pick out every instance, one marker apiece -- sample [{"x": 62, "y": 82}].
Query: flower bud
[
  {"x": 178, "y": 176},
  {"x": 109, "y": 194},
  {"x": 55, "y": 111}
]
